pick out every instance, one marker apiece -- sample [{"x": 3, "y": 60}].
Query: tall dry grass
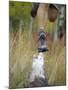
[{"x": 22, "y": 48}]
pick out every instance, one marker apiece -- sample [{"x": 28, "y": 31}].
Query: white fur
[{"x": 37, "y": 67}]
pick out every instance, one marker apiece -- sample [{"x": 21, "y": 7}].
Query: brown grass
[{"x": 22, "y": 48}]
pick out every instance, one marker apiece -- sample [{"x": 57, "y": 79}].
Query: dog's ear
[
  {"x": 53, "y": 13},
  {"x": 34, "y": 9}
]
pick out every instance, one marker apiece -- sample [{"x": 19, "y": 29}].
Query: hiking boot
[{"x": 42, "y": 47}]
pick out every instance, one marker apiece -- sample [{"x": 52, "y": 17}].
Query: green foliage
[{"x": 19, "y": 11}]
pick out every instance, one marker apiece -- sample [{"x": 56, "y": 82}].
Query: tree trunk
[
  {"x": 30, "y": 27},
  {"x": 20, "y": 33},
  {"x": 56, "y": 31}
]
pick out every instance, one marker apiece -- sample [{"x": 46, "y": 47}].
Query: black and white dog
[{"x": 37, "y": 77}]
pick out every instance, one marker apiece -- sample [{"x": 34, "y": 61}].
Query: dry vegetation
[{"x": 21, "y": 51}]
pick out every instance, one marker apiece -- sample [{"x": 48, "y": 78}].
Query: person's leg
[
  {"x": 42, "y": 20},
  {"x": 42, "y": 15}
]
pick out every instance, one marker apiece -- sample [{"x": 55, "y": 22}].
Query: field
[{"x": 22, "y": 48}]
